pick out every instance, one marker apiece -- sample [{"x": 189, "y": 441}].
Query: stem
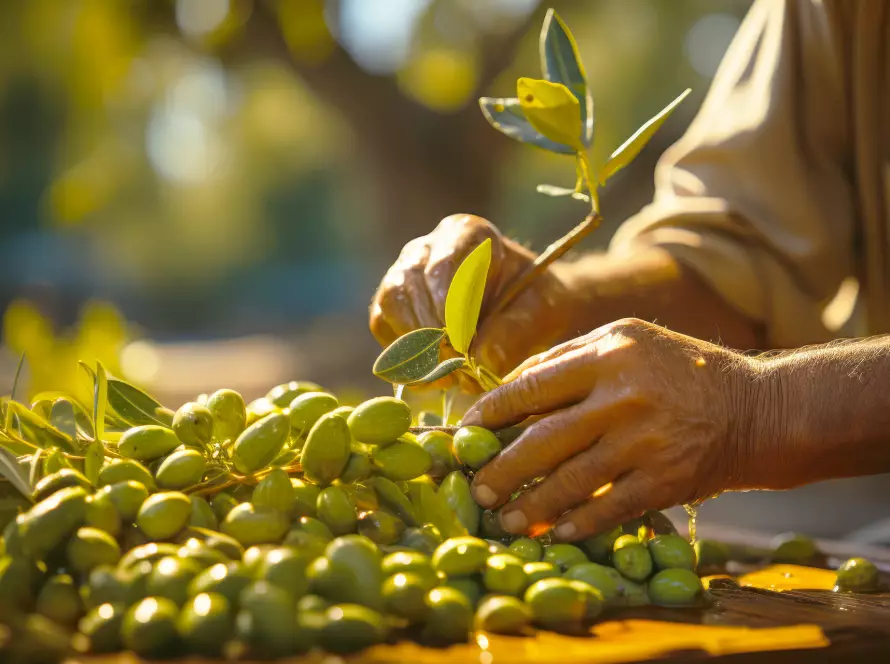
[{"x": 552, "y": 253}]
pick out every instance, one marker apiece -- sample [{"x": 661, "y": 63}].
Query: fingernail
[
  {"x": 565, "y": 531},
  {"x": 514, "y": 522},
  {"x": 484, "y": 496}
]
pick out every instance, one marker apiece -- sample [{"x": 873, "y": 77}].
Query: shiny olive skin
[
  {"x": 460, "y": 556},
  {"x": 149, "y": 627},
  {"x": 336, "y": 511},
  {"x": 147, "y": 442},
  {"x": 605, "y": 579},
  {"x": 327, "y": 449},
  {"x": 671, "y": 552},
  {"x": 404, "y": 595},
  {"x": 285, "y": 567},
  {"x": 401, "y": 461},
  {"x": 556, "y": 602},
  {"x": 563, "y": 556},
  {"x": 632, "y": 558},
  {"x": 675, "y": 587},
  {"x": 60, "y": 601},
  {"x": 229, "y": 414},
  {"x": 456, "y": 491},
  {"x": 450, "y": 616},
  {"x": 474, "y": 446},
  {"x": 90, "y": 547},
  {"x": 410, "y": 562},
  {"x": 251, "y": 525},
  {"x": 527, "y": 549},
  {"x": 440, "y": 446},
  {"x": 275, "y": 492},
  {"x": 64, "y": 478},
  {"x": 162, "y": 515},
  {"x": 504, "y": 575},
  {"x": 228, "y": 580},
  {"x": 307, "y": 408},
  {"x": 857, "y": 575},
  {"x": 502, "y": 614},
  {"x": 794, "y": 549},
  {"x": 193, "y": 424},
  {"x": 599, "y": 547},
  {"x": 181, "y": 469},
  {"x": 540, "y": 570},
  {"x": 350, "y": 628},
  {"x": 203, "y": 622},
  {"x": 171, "y": 577},
  {"x": 102, "y": 627},
  {"x": 380, "y": 420}
]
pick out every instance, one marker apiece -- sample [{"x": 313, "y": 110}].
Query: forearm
[
  {"x": 653, "y": 286},
  {"x": 818, "y": 413}
]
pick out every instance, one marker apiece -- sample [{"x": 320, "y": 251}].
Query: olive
[
  {"x": 221, "y": 504},
  {"x": 410, "y": 562},
  {"x": 306, "y": 497},
  {"x": 401, "y": 461},
  {"x": 540, "y": 570},
  {"x": 605, "y": 579},
  {"x": 564, "y": 556},
  {"x": 275, "y": 492},
  {"x": 266, "y": 620},
  {"x": 51, "y": 520},
  {"x": 490, "y": 526},
  {"x": 671, "y": 552},
  {"x": 631, "y": 558},
  {"x": 599, "y": 547},
  {"x": 105, "y": 585},
  {"x": 152, "y": 552},
  {"x": 556, "y": 603},
  {"x": 162, "y": 515},
  {"x": 312, "y": 603},
  {"x": 90, "y": 547},
  {"x": 504, "y": 575},
  {"x": 102, "y": 628},
  {"x": 404, "y": 595},
  {"x": 314, "y": 527},
  {"x": 380, "y": 420},
  {"x": 171, "y": 577},
  {"x": 285, "y": 567},
  {"x": 251, "y": 525},
  {"x": 526, "y": 549},
  {"x": 503, "y": 615},
  {"x": 350, "y": 628},
  {"x": 307, "y": 408},
  {"x": 857, "y": 575},
  {"x": 710, "y": 553},
  {"x": 593, "y": 599},
  {"x": 336, "y": 511},
  {"x": 393, "y": 499},
  {"x": 181, "y": 469},
  {"x": 203, "y": 622},
  {"x": 470, "y": 587},
  {"x": 456, "y": 491},
  {"x": 259, "y": 443},
  {"x": 123, "y": 470},
  {"x": 361, "y": 557},
  {"x": 284, "y": 394},
  {"x": 358, "y": 467},
  {"x": 202, "y": 514},
  {"x": 380, "y": 527},
  {"x": 127, "y": 497},
  {"x": 423, "y": 540},
  {"x": 440, "y": 446},
  {"x": 149, "y": 627},
  {"x": 675, "y": 587},
  {"x": 449, "y": 618},
  {"x": 193, "y": 424},
  {"x": 327, "y": 449},
  {"x": 67, "y": 477},
  {"x": 19, "y": 580},
  {"x": 260, "y": 408},
  {"x": 229, "y": 414},
  {"x": 199, "y": 552},
  {"x": 102, "y": 514},
  {"x": 475, "y": 446},
  {"x": 495, "y": 546},
  {"x": 228, "y": 580},
  {"x": 460, "y": 556},
  {"x": 147, "y": 442},
  {"x": 59, "y": 600},
  {"x": 795, "y": 549}
]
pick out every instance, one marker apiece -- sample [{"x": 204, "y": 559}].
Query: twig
[{"x": 420, "y": 430}]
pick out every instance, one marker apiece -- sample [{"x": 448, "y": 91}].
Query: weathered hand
[
  {"x": 652, "y": 416},
  {"x": 413, "y": 292}
]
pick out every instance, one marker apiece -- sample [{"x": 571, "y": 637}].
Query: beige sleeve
[{"x": 754, "y": 197}]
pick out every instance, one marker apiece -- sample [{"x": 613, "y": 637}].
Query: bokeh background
[{"x": 205, "y": 193}]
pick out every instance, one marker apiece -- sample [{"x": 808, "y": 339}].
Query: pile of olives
[{"x": 294, "y": 523}]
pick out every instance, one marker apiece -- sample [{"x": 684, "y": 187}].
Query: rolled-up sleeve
[{"x": 756, "y": 197}]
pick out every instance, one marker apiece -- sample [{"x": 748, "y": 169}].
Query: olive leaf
[
  {"x": 628, "y": 151},
  {"x": 561, "y": 63},
  {"x": 62, "y": 417},
  {"x": 464, "y": 299},
  {"x": 38, "y": 431},
  {"x": 100, "y": 398},
  {"x": 18, "y": 374},
  {"x": 552, "y": 109},
  {"x": 410, "y": 357},
  {"x": 443, "y": 369},
  {"x": 553, "y": 190},
  {"x": 136, "y": 407},
  {"x": 12, "y": 470},
  {"x": 36, "y": 472},
  {"x": 505, "y": 115},
  {"x": 93, "y": 462}
]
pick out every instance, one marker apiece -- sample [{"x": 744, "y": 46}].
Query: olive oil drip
[{"x": 692, "y": 511}]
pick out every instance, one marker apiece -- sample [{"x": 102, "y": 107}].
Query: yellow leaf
[
  {"x": 552, "y": 109},
  {"x": 464, "y": 299}
]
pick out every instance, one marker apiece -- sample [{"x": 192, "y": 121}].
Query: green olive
[
  {"x": 226, "y": 579},
  {"x": 410, "y": 562},
  {"x": 794, "y": 549},
  {"x": 526, "y": 549},
  {"x": 540, "y": 570},
  {"x": 504, "y": 575},
  {"x": 67, "y": 477},
  {"x": 228, "y": 546},
  {"x": 59, "y": 600},
  {"x": 556, "y": 603},
  {"x": 162, "y": 515},
  {"x": 440, "y": 446},
  {"x": 404, "y": 595},
  {"x": 221, "y": 504},
  {"x": 449, "y": 617},
  {"x": 423, "y": 540},
  {"x": 171, "y": 577},
  {"x": 564, "y": 556},
  {"x": 857, "y": 575},
  {"x": 284, "y": 394},
  {"x": 266, "y": 620},
  {"x": 456, "y": 491},
  {"x": 594, "y": 602},
  {"x": 358, "y": 467},
  {"x": 307, "y": 408},
  {"x": 605, "y": 579},
  {"x": 196, "y": 550},
  {"x": 147, "y": 442},
  {"x": 503, "y": 615},
  {"x": 51, "y": 520},
  {"x": 401, "y": 460},
  {"x": 327, "y": 449},
  {"x": 152, "y": 552},
  {"x": 350, "y": 628},
  {"x": 459, "y": 556},
  {"x": 19, "y": 581},
  {"x": 306, "y": 497},
  {"x": 229, "y": 414},
  {"x": 181, "y": 469},
  {"x": 127, "y": 497},
  {"x": 202, "y": 514},
  {"x": 251, "y": 525},
  {"x": 312, "y": 603},
  {"x": 313, "y": 527},
  {"x": 285, "y": 567},
  {"x": 203, "y": 622},
  {"x": 261, "y": 442},
  {"x": 336, "y": 511},
  {"x": 102, "y": 514},
  {"x": 711, "y": 553},
  {"x": 91, "y": 547},
  {"x": 102, "y": 627},
  {"x": 149, "y": 627},
  {"x": 671, "y": 552},
  {"x": 123, "y": 470},
  {"x": 105, "y": 585},
  {"x": 599, "y": 547},
  {"x": 380, "y": 421},
  {"x": 675, "y": 587},
  {"x": 490, "y": 526},
  {"x": 361, "y": 557},
  {"x": 275, "y": 492},
  {"x": 193, "y": 424},
  {"x": 474, "y": 446},
  {"x": 260, "y": 408},
  {"x": 380, "y": 527},
  {"x": 470, "y": 587},
  {"x": 631, "y": 558},
  {"x": 394, "y": 499}
]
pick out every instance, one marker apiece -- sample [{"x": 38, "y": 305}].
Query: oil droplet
[{"x": 692, "y": 511}]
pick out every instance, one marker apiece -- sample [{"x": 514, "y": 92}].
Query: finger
[
  {"x": 504, "y": 340},
  {"x": 541, "y": 389},
  {"x": 536, "y": 452},
  {"x": 571, "y": 484},
  {"x": 629, "y": 497},
  {"x": 565, "y": 348},
  {"x": 421, "y": 302},
  {"x": 381, "y": 330}
]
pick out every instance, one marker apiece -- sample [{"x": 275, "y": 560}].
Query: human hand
[
  {"x": 412, "y": 294},
  {"x": 654, "y": 417}
]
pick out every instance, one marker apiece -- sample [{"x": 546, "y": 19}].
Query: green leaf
[
  {"x": 100, "y": 398},
  {"x": 633, "y": 145},
  {"x": 13, "y": 471},
  {"x": 135, "y": 407},
  {"x": 464, "y": 299},
  {"x": 36, "y": 472},
  {"x": 38, "y": 431},
  {"x": 561, "y": 63},
  {"x": 63, "y": 418},
  {"x": 448, "y": 366},
  {"x": 552, "y": 109},
  {"x": 553, "y": 190},
  {"x": 18, "y": 374},
  {"x": 410, "y": 357},
  {"x": 505, "y": 115},
  {"x": 93, "y": 462}
]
